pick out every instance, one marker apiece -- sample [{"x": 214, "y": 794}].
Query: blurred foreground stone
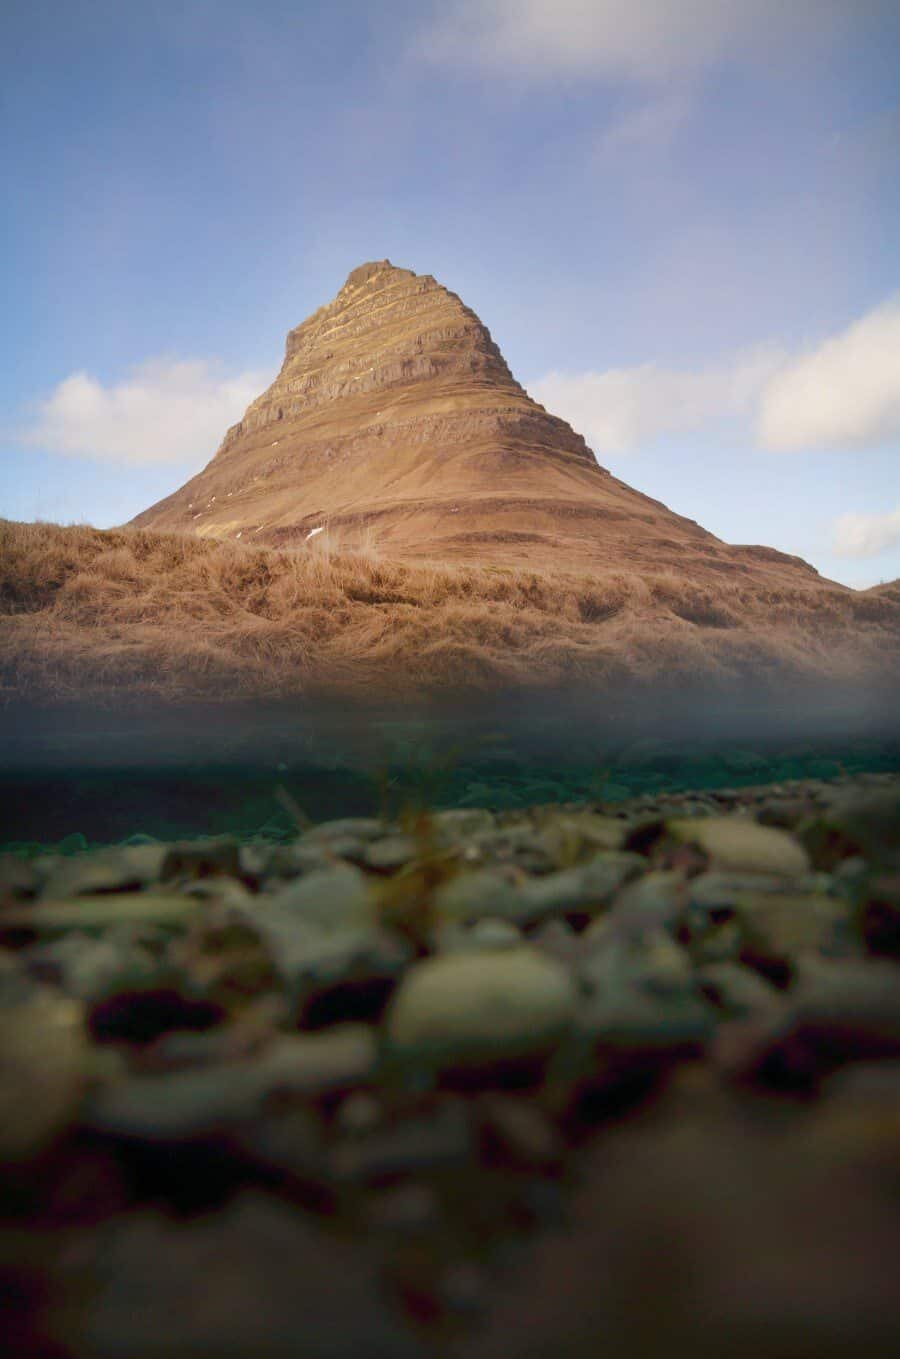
[{"x": 545, "y": 1082}]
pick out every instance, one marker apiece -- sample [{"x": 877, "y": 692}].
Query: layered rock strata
[{"x": 396, "y": 424}]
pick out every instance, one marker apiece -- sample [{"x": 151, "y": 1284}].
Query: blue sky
[{"x": 681, "y": 222}]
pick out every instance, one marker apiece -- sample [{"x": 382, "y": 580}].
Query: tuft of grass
[
  {"x": 85, "y": 611},
  {"x": 405, "y": 900}
]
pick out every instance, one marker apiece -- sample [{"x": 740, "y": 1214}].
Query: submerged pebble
[
  {"x": 739, "y": 845},
  {"x": 331, "y": 898},
  {"x": 473, "y": 1008},
  {"x": 44, "y": 1063},
  {"x": 417, "y": 1028}
]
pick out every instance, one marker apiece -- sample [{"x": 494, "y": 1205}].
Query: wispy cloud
[
  {"x": 643, "y": 40},
  {"x": 866, "y": 535},
  {"x": 622, "y": 409},
  {"x": 845, "y": 393},
  {"x": 164, "y": 411}
]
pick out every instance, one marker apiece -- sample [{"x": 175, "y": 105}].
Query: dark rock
[
  {"x": 201, "y": 859},
  {"x": 203, "y": 1102},
  {"x": 142, "y": 1016},
  {"x": 94, "y": 968},
  {"x": 111, "y": 870},
  {"x": 856, "y": 823},
  {"x": 672, "y": 1250},
  {"x": 403, "y": 1209},
  {"x": 841, "y": 1013},
  {"x": 737, "y": 991},
  {"x": 360, "y": 828},
  {"x": 439, "y": 1139},
  {"x": 390, "y": 853},
  {"x": 254, "y": 1279},
  {"x": 879, "y": 915},
  {"x": 518, "y": 1134},
  {"x": 19, "y": 879},
  {"x": 287, "y": 1147}
]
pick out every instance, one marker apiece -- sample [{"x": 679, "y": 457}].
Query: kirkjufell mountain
[
  {"x": 472, "y": 543},
  {"x": 395, "y": 422}
]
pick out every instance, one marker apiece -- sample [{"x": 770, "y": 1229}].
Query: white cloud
[
  {"x": 644, "y": 40},
  {"x": 164, "y": 411},
  {"x": 619, "y": 410},
  {"x": 866, "y": 535},
  {"x": 843, "y": 394}
]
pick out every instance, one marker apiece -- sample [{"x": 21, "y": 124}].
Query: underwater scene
[
  {"x": 449, "y": 1013},
  {"x": 74, "y": 777}
]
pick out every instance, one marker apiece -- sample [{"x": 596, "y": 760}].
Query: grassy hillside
[{"x": 84, "y": 611}]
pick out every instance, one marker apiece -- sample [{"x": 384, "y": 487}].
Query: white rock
[
  {"x": 475, "y": 1007},
  {"x": 330, "y": 898},
  {"x": 735, "y": 844}
]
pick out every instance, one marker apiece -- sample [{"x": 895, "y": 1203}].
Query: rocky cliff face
[
  {"x": 396, "y": 424},
  {"x": 392, "y": 334}
]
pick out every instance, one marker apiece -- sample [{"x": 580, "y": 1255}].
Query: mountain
[
  {"x": 395, "y": 423},
  {"x": 496, "y": 555}
]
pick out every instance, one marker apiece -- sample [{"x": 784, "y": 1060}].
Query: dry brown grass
[{"x": 131, "y": 611}]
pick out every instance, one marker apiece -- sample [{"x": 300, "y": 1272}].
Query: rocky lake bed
[{"x": 512, "y": 1082}]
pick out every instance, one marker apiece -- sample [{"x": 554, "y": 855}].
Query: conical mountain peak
[
  {"x": 363, "y": 273},
  {"x": 395, "y": 421},
  {"x": 386, "y": 328}
]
